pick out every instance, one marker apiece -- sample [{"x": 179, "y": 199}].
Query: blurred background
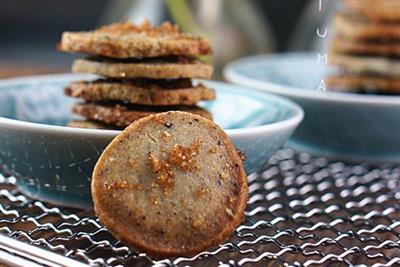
[{"x": 31, "y": 29}]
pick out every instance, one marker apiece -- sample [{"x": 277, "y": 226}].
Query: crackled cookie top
[{"x": 126, "y": 40}]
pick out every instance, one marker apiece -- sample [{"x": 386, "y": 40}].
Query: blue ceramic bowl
[
  {"x": 340, "y": 125},
  {"x": 54, "y": 163}
]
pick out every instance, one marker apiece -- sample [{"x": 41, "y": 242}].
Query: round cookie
[
  {"x": 170, "y": 184},
  {"x": 90, "y": 124},
  {"x": 376, "y": 10},
  {"x": 168, "y": 68},
  {"x": 127, "y": 40},
  {"x": 364, "y": 83},
  {"x": 143, "y": 94},
  {"x": 123, "y": 115},
  {"x": 365, "y": 48},
  {"x": 375, "y": 65},
  {"x": 356, "y": 27}
]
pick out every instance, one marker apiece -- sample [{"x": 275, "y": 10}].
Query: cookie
[
  {"x": 366, "y": 65},
  {"x": 365, "y": 48},
  {"x": 377, "y": 10},
  {"x": 122, "y": 115},
  {"x": 354, "y": 27},
  {"x": 170, "y": 184},
  {"x": 127, "y": 40},
  {"x": 359, "y": 83},
  {"x": 155, "y": 68},
  {"x": 147, "y": 92},
  {"x": 91, "y": 125}
]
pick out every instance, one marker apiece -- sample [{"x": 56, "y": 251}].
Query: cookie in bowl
[
  {"x": 139, "y": 64},
  {"x": 365, "y": 48}
]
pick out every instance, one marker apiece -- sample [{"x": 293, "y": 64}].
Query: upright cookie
[
  {"x": 154, "y": 68},
  {"x": 123, "y": 115},
  {"x": 126, "y": 40},
  {"x": 170, "y": 184},
  {"x": 148, "y": 92}
]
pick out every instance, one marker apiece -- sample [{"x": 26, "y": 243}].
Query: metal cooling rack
[{"x": 302, "y": 211}]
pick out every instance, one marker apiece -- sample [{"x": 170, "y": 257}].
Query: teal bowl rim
[
  {"x": 291, "y": 122},
  {"x": 231, "y": 75}
]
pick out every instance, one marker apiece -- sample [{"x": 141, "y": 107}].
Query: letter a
[{"x": 321, "y": 87}]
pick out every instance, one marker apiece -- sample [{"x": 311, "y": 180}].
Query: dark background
[{"x": 30, "y": 29}]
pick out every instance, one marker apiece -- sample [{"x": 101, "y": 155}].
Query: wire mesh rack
[{"x": 302, "y": 211}]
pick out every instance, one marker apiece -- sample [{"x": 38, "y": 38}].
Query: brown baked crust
[
  {"x": 353, "y": 26},
  {"x": 122, "y": 115},
  {"x": 377, "y": 10},
  {"x": 199, "y": 209},
  {"x": 125, "y": 40},
  {"x": 156, "y": 69},
  {"x": 365, "y": 48},
  {"x": 147, "y": 94},
  {"x": 363, "y": 83},
  {"x": 90, "y": 124},
  {"x": 374, "y": 65}
]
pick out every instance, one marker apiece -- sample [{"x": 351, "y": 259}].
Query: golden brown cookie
[
  {"x": 377, "y": 10},
  {"x": 170, "y": 184},
  {"x": 123, "y": 115},
  {"x": 345, "y": 46},
  {"x": 90, "y": 124},
  {"x": 365, "y": 83},
  {"x": 154, "y": 68},
  {"x": 366, "y": 65},
  {"x": 148, "y": 92},
  {"x": 126, "y": 40},
  {"x": 353, "y": 26}
]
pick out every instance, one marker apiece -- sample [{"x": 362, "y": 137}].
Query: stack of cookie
[
  {"x": 144, "y": 70},
  {"x": 366, "y": 47}
]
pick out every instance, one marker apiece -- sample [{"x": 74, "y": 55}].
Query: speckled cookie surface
[
  {"x": 160, "y": 93},
  {"x": 170, "y": 184},
  {"x": 145, "y": 68},
  {"x": 122, "y": 115},
  {"x": 126, "y": 40}
]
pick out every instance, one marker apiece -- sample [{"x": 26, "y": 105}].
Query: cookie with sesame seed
[
  {"x": 363, "y": 83},
  {"x": 153, "y": 68},
  {"x": 376, "y": 10},
  {"x": 352, "y": 26},
  {"x": 122, "y": 115},
  {"x": 352, "y": 47},
  {"x": 127, "y": 40},
  {"x": 371, "y": 65},
  {"x": 142, "y": 91},
  {"x": 171, "y": 184}
]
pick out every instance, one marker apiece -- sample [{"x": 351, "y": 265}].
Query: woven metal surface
[{"x": 302, "y": 211}]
